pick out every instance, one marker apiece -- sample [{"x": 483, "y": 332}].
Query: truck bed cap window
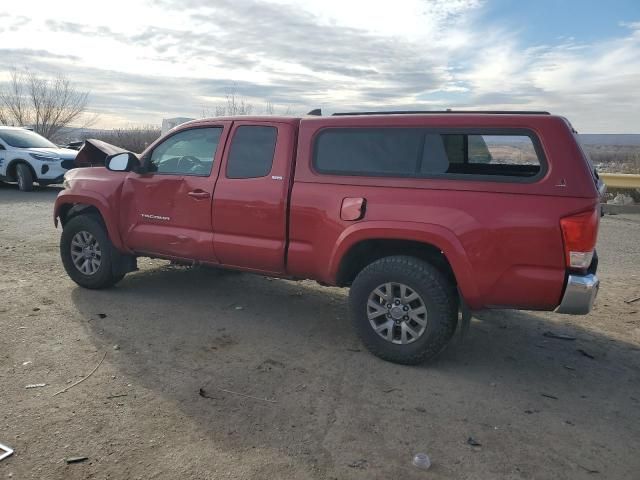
[{"x": 422, "y": 152}]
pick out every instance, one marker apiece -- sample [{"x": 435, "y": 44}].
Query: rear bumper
[{"x": 579, "y": 295}]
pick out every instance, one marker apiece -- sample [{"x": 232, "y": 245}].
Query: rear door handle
[{"x": 199, "y": 194}]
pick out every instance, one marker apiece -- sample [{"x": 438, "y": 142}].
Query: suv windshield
[{"x": 25, "y": 139}]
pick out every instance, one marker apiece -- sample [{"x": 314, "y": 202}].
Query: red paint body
[{"x": 502, "y": 239}]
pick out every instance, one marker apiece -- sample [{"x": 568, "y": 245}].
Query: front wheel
[
  {"x": 87, "y": 253},
  {"x": 24, "y": 177},
  {"x": 403, "y": 309}
]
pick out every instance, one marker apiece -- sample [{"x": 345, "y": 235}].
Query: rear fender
[{"x": 435, "y": 235}]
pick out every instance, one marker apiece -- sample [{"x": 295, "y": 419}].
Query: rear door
[
  {"x": 250, "y": 200},
  {"x": 168, "y": 208}
]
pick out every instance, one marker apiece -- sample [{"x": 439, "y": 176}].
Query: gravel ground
[{"x": 309, "y": 401}]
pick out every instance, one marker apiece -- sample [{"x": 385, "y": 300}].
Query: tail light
[{"x": 580, "y": 233}]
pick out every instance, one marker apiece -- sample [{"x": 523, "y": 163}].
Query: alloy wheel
[
  {"x": 86, "y": 253},
  {"x": 397, "y": 313}
]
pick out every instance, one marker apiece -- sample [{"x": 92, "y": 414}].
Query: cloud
[
  {"x": 595, "y": 83},
  {"x": 11, "y": 58},
  {"x": 83, "y": 29},
  {"x": 180, "y": 57},
  {"x": 299, "y": 60},
  {"x": 138, "y": 98},
  {"x": 280, "y": 39}
]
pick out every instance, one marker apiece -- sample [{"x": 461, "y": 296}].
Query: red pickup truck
[{"x": 426, "y": 216}]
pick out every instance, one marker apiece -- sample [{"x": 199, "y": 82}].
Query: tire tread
[
  {"x": 22, "y": 169},
  {"x": 442, "y": 293},
  {"x": 92, "y": 223}
]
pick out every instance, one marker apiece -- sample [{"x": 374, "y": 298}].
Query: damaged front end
[{"x": 95, "y": 152}]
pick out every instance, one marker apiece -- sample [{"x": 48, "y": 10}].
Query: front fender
[
  {"x": 93, "y": 199},
  {"x": 436, "y": 235}
]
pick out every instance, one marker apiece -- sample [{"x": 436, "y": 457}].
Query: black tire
[
  {"x": 436, "y": 292},
  {"x": 24, "y": 177},
  {"x": 103, "y": 277}
]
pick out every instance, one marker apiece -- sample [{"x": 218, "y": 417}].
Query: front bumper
[
  {"x": 52, "y": 172},
  {"x": 579, "y": 295},
  {"x": 51, "y": 181}
]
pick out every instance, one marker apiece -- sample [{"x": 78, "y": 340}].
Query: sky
[{"x": 145, "y": 60}]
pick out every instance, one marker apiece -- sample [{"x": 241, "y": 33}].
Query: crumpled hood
[
  {"x": 94, "y": 152},
  {"x": 61, "y": 153}
]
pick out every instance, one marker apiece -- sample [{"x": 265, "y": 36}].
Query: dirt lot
[{"x": 324, "y": 407}]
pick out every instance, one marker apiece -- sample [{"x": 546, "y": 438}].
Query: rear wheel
[
  {"x": 403, "y": 309},
  {"x": 87, "y": 253},
  {"x": 24, "y": 177}
]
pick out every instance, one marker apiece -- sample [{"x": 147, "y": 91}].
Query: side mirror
[{"x": 121, "y": 162}]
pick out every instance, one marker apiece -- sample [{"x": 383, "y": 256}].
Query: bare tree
[
  {"x": 269, "y": 108},
  {"x": 234, "y": 105},
  {"x": 46, "y": 104},
  {"x": 133, "y": 139}
]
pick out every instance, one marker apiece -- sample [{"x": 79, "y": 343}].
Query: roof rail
[{"x": 438, "y": 112}]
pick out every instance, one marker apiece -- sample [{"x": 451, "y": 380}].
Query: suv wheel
[
  {"x": 87, "y": 253},
  {"x": 24, "y": 177},
  {"x": 403, "y": 309}
]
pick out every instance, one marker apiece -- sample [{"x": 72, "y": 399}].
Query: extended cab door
[
  {"x": 250, "y": 200},
  {"x": 166, "y": 210}
]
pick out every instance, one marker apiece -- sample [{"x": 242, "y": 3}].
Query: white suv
[{"x": 26, "y": 157}]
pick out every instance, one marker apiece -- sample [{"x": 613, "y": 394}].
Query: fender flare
[
  {"x": 96, "y": 200},
  {"x": 436, "y": 235},
  {"x": 16, "y": 161}
]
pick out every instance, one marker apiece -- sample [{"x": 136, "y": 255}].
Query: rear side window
[
  {"x": 419, "y": 152},
  {"x": 251, "y": 152}
]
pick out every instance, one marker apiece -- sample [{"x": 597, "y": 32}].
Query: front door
[{"x": 168, "y": 207}]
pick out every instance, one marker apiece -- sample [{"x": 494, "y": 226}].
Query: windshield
[{"x": 25, "y": 139}]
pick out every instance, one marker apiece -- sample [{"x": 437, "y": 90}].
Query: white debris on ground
[{"x": 621, "y": 199}]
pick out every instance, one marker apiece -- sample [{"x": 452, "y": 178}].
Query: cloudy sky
[{"x": 145, "y": 60}]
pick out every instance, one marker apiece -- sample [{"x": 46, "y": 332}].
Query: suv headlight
[
  {"x": 44, "y": 158},
  {"x": 66, "y": 183}
]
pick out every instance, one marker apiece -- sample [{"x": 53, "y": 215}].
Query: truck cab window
[
  {"x": 251, "y": 153},
  {"x": 190, "y": 152}
]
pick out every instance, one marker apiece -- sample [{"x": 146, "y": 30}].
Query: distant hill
[
  {"x": 630, "y": 139},
  {"x": 70, "y": 134}
]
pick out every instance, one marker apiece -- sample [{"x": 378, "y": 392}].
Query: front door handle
[{"x": 199, "y": 194}]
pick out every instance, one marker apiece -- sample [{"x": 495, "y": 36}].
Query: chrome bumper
[{"x": 579, "y": 295}]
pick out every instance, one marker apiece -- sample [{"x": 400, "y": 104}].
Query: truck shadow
[{"x": 185, "y": 334}]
